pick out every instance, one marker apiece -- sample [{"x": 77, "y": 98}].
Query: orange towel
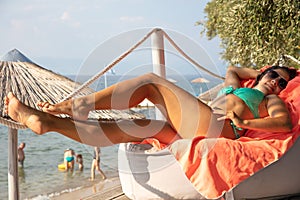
[{"x": 215, "y": 166}]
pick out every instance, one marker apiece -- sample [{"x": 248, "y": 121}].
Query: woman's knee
[
  {"x": 150, "y": 78},
  {"x": 147, "y": 82}
]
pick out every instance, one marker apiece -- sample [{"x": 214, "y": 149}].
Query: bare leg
[
  {"x": 185, "y": 113},
  {"x": 72, "y": 165},
  {"x": 66, "y": 165},
  {"x": 101, "y": 173},
  {"x": 93, "y": 133},
  {"x": 93, "y": 169}
]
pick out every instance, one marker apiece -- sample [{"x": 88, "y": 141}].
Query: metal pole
[
  {"x": 13, "y": 177},
  {"x": 158, "y": 54},
  {"x": 158, "y": 59}
]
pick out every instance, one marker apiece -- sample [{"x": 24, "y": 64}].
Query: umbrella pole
[
  {"x": 158, "y": 60},
  {"x": 13, "y": 178}
]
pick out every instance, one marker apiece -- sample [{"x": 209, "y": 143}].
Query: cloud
[
  {"x": 29, "y": 8},
  {"x": 75, "y": 24},
  {"x": 65, "y": 16},
  {"x": 132, "y": 19},
  {"x": 17, "y": 24}
]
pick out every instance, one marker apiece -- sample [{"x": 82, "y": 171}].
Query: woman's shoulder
[{"x": 273, "y": 99}]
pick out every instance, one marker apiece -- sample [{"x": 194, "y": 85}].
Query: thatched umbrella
[{"x": 32, "y": 83}]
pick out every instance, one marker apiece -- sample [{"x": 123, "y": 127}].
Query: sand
[{"x": 103, "y": 190}]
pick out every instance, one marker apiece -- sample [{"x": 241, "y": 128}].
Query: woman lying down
[{"x": 235, "y": 110}]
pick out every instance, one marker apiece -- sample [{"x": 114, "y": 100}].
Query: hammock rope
[
  {"x": 292, "y": 58},
  {"x": 283, "y": 59},
  {"x": 189, "y": 58},
  {"x": 110, "y": 66}
]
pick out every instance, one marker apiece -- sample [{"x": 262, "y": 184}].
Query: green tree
[{"x": 254, "y": 33}]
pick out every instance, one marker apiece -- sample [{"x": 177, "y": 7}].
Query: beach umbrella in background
[
  {"x": 200, "y": 80},
  {"x": 32, "y": 83}
]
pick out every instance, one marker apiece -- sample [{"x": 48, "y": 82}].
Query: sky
[{"x": 60, "y": 35}]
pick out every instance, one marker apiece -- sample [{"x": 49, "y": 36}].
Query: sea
[{"x": 40, "y": 177}]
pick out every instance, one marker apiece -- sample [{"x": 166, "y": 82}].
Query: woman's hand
[
  {"x": 234, "y": 75},
  {"x": 236, "y": 120}
]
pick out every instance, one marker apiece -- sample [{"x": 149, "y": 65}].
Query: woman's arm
[
  {"x": 278, "y": 121},
  {"x": 235, "y": 74}
]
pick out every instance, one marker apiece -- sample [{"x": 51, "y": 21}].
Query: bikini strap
[{"x": 235, "y": 129}]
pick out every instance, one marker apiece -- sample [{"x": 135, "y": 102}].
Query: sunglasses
[{"x": 282, "y": 83}]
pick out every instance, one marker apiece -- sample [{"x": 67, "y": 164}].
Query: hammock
[{"x": 16, "y": 125}]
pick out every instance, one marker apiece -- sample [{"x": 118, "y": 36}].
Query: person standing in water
[
  {"x": 79, "y": 161},
  {"x": 21, "y": 154},
  {"x": 96, "y": 164},
  {"x": 69, "y": 155}
]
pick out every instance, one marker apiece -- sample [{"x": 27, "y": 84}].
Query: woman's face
[{"x": 274, "y": 81}]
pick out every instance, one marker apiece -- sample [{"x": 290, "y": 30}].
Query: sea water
[
  {"x": 40, "y": 175},
  {"x": 40, "y": 178}
]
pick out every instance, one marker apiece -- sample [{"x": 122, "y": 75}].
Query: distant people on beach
[
  {"x": 21, "y": 154},
  {"x": 69, "y": 155},
  {"x": 96, "y": 164},
  {"x": 79, "y": 161}
]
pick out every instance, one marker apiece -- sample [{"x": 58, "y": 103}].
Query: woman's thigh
[{"x": 185, "y": 113}]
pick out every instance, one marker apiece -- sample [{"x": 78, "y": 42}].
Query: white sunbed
[{"x": 158, "y": 175}]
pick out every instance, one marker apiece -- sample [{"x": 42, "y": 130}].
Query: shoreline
[{"x": 103, "y": 189}]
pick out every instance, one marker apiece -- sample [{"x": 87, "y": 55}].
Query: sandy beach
[{"x": 103, "y": 190}]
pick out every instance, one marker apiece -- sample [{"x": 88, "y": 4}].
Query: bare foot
[
  {"x": 76, "y": 109},
  {"x": 24, "y": 114},
  {"x": 49, "y": 108}
]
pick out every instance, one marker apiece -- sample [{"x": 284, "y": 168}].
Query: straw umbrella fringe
[{"x": 32, "y": 83}]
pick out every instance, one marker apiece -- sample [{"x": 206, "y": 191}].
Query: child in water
[
  {"x": 79, "y": 161},
  {"x": 69, "y": 155}
]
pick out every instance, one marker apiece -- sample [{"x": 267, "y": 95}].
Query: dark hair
[{"x": 292, "y": 72}]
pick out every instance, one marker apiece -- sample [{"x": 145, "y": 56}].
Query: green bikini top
[{"x": 251, "y": 97}]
